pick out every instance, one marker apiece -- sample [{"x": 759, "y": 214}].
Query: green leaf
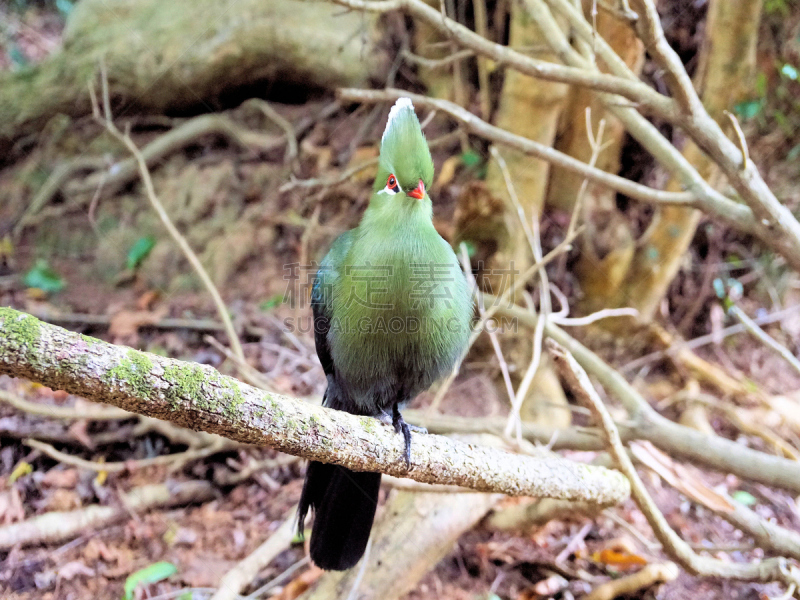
[
  {"x": 153, "y": 574},
  {"x": 20, "y": 470},
  {"x": 42, "y": 277},
  {"x": 271, "y": 303},
  {"x": 794, "y": 153},
  {"x": 734, "y": 261},
  {"x": 745, "y": 498},
  {"x": 748, "y": 109},
  {"x": 789, "y": 72},
  {"x": 470, "y": 158},
  {"x": 139, "y": 251}
]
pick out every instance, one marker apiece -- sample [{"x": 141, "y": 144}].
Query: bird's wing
[{"x": 321, "y": 298}]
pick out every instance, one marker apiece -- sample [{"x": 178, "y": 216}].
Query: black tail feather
[{"x": 344, "y": 505}]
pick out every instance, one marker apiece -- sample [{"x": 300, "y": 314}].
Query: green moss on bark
[
  {"x": 134, "y": 372},
  {"x": 21, "y": 328},
  {"x": 186, "y": 383}
]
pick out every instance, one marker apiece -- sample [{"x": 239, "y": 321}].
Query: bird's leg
[{"x": 400, "y": 426}]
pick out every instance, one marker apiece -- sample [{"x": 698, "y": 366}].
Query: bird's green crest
[{"x": 404, "y": 151}]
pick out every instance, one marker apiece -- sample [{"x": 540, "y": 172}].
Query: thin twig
[
  {"x": 534, "y": 240},
  {"x": 244, "y": 368},
  {"x": 90, "y": 413},
  {"x": 144, "y": 172},
  {"x": 761, "y": 335},
  {"x": 255, "y": 467},
  {"x": 278, "y": 579},
  {"x": 432, "y": 63},
  {"x": 274, "y": 116},
  {"x": 492, "y": 334},
  {"x": 740, "y": 138},
  {"x": 604, "y": 313},
  {"x": 596, "y": 144}
]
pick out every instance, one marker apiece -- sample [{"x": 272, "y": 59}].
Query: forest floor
[{"x": 207, "y": 536}]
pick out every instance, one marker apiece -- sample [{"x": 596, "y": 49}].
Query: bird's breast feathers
[{"x": 402, "y": 305}]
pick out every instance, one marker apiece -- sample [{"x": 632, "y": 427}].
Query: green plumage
[{"x": 392, "y": 314}]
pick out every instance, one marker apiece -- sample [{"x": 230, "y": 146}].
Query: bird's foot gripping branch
[{"x": 199, "y": 397}]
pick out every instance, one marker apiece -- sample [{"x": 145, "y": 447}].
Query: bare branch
[
  {"x": 199, "y": 397},
  {"x": 634, "y": 90},
  {"x": 179, "y": 458},
  {"x": 709, "y": 450},
  {"x": 483, "y": 129},
  {"x": 57, "y": 526}
]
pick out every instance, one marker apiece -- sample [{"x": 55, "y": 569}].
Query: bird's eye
[{"x": 391, "y": 185}]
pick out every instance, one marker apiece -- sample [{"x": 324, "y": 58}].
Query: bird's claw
[{"x": 400, "y": 426}]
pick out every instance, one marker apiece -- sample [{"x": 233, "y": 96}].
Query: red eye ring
[{"x": 391, "y": 183}]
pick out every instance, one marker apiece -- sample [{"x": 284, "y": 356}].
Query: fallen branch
[
  {"x": 199, "y": 397},
  {"x": 400, "y": 555},
  {"x": 176, "y": 460},
  {"x": 644, "y": 578},
  {"x": 59, "y": 526},
  {"x": 91, "y": 413},
  {"x": 240, "y": 576},
  {"x": 775, "y": 569}
]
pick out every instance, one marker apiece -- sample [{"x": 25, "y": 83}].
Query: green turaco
[{"x": 392, "y": 313}]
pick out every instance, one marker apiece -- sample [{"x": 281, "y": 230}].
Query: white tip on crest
[{"x": 401, "y": 104}]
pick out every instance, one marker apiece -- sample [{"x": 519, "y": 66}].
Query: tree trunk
[
  {"x": 166, "y": 56},
  {"x": 727, "y": 62},
  {"x": 531, "y": 108},
  {"x": 607, "y": 248}
]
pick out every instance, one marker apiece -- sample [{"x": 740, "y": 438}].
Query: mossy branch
[{"x": 199, "y": 397}]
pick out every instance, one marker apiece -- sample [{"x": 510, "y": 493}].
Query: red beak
[{"x": 418, "y": 192}]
